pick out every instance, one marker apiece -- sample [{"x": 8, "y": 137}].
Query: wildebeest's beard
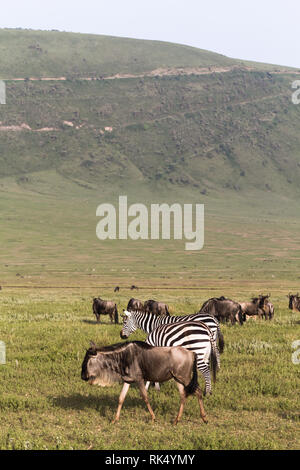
[
  {"x": 84, "y": 373},
  {"x": 105, "y": 369}
]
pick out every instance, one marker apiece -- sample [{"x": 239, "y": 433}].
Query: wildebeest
[
  {"x": 223, "y": 309},
  {"x": 134, "y": 287},
  {"x": 135, "y": 304},
  {"x": 137, "y": 362},
  {"x": 266, "y": 306},
  {"x": 252, "y": 308},
  {"x": 116, "y": 289},
  {"x": 294, "y": 302},
  {"x": 105, "y": 307},
  {"x": 157, "y": 308}
]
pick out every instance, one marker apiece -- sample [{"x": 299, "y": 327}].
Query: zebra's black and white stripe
[
  {"x": 148, "y": 322},
  {"x": 195, "y": 336}
]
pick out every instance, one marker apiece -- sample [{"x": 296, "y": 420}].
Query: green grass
[
  {"x": 29, "y": 53},
  {"x": 44, "y": 404}
]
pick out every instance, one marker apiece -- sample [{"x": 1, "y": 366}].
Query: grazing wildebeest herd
[{"x": 177, "y": 346}]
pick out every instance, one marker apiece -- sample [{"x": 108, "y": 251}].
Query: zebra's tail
[
  {"x": 214, "y": 358},
  {"x": 193, "y": 385},
  {"x": 221, "y": 340}
]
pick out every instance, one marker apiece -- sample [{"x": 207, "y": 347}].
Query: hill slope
[
  {"x": 164, "y": 123},
  {"x": 26, "y": 53}
]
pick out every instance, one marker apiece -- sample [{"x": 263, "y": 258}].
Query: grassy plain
[
  {"x": 45, "y": 405},
  {"x": 52, "y": 265}
]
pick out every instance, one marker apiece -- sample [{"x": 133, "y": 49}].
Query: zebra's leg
[
  {"x": 121, "y": 401},
  {"x": 157, "y": 387},
  {"x": 205, "y": 371},
  {"x": 144, "y": 395}
]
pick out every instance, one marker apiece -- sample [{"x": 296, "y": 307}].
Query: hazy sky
[{"x": 261, "y": 30}]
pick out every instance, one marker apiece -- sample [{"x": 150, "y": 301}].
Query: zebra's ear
[{"x": 93, "y": 345}]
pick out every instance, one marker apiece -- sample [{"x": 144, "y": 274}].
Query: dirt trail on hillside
[{"x": 161, "y": 72}]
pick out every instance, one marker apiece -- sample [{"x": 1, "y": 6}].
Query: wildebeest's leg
[
  {"x": 182, "y": 401},
  {"x": 200, "y": 401},
  {"x": 144, "y": 395},
  {"x": 121, "y": 401}
]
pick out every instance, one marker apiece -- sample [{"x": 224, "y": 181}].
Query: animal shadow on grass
[
  {"x": 95, "y": 322},
  {"x": 105, "y": 405}
]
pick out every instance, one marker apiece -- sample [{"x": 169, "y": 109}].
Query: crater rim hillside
[{"x": 103, "y": 110}]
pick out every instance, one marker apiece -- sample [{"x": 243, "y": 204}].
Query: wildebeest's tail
[
  {"x": 193, "y": 385},
  {"x": 167, "y": 311},
  {"x": 116, "y": 315}
]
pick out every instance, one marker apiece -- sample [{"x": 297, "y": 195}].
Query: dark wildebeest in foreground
[
  {"x": 137, "y": 362},
  {"x": 134, "y": 287},
  {"x": 294, "y": 302},
  {"x": 223, "y": 309},
  {"x": 157, "y": 308},
  {"x": 135, "y": 304},
  {"x": 116, "y": 289},
  {"x": 105, "y": 307}
]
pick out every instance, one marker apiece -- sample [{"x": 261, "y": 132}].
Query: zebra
[
  {"x": 193, "y": 335},
  {"x": 148, "y": 322}
]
